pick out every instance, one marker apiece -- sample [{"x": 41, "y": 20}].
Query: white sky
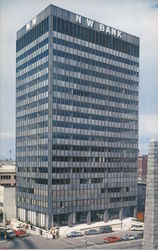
[{"x": 138, "y": 17}]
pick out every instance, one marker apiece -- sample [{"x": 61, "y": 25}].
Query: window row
[
  {"x": 32, "y": 50},
  {"x": 101, "y": 84},
  {"x": 32, "y": 105},
  {"x": 93, "y": 95},
  {"x": 95, "y": 52},
  {"x": 91, "y": 127},
  {"x": 95, "y": 106},
  {"x": 32, "y": 93},
  {"x": 91, "y": 159},
  {"x": 91, "y": 148},
  {"x": 93, "y": 138},
  {"x": 79, "y": 83},
  {"x": 32, "y": 83},
  {"x": 89, "y": 116},
  {"x": 33, "y": 158},
  {"x": 5, "y": 177},
  {"x": 32, "y": 61},
  {"x": 25, "y": 117},
  {"x": 32, "y": 71},
  {"x": 84, "y": 60},
  {"x": 93, "y": 73}
]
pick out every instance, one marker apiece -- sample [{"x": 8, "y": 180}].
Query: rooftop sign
[
  {"x": 28, "y": 25},
  {"x": 102, "y": 27}
]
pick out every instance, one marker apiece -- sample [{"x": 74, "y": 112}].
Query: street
[{"x": 89, "y": 242}]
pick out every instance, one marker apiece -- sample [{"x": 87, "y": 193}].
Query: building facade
[
  {"x": 7, "y": 174},
  {"x": 142, "y": 163},
  {"x": 7, "y": 203},
  {"x": 76, "y": 120},
  {"x": 150, "y": 240},
  {"x": 141, "y": 196}
]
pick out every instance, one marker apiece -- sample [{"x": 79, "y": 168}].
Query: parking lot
[{"x": 91, "y": 241}]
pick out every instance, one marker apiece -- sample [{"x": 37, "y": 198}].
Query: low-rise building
[
  {"x": 142, "y": 164},
  {"x": 7, "y": 203},
  {"x": 141, "y": 196},
  {"x": 7, "y": 174}
]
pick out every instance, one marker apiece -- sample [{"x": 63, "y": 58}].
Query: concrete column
[
  {"x": 74, "y": 218},
  {"x": 50, "y": 87},
  {"x": 26, "y": 215},
  {"x": 105, "y": 216},
  {"x": 70, "y": 220},
  {"x": 135, "y": 212},
  {"x": 89, "y": 218},
  {"x": 121, "y": 214},
  {"x": 52, "y": 221},
  {"x": 47, "y": 221},
  {"x": 37, "y": 218},
  {"x": 150, "y": 240}
]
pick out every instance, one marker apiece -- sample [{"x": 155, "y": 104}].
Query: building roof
[
  {"x": 7, "y": 168},
  {"x": 141, "y": 182}
]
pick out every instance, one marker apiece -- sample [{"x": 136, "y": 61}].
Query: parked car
[
  {"x": 20, "y": 233},
  {"x": 136, "y": 236},
  {"x": 125, "y": 237},
  {"x": 105, "y": 229},
  {"x": 137, "y": 227},
  {"x": 74, "y": 234},
  {"x": 10, "y": 234},
  {"x": 112, "y": 239},
  {"x": 2, "y": 233},
  {"x": 130, "y": 237},
  {"x": 140, "y": 235},
  {"x": 91, "y": 232}
]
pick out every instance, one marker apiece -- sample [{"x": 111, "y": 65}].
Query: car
[
  {"x": 130, "y": 237},
  {"x": 91, "y": 232},
  {"x": 20, "y": 233},
  {"x": 10, "y": 234},
  {"x": 74, "y": 234},
  {"x": 112, "y": 239},
  {"x": 137, "y": 228},
  {"x": 2, "y": 233},
  {"x": 136, "y": 237},
  {"x": 105, "y": 229},
  {"x": 140, "y": 235},
  {"x": 125, "y": 237}
]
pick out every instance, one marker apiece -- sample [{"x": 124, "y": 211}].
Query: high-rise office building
[{"x": 76, "y": 120}]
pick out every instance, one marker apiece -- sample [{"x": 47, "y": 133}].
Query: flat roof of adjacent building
[
  {"x": 7, "y": 168},
  {"x": 141, "y": 182}
]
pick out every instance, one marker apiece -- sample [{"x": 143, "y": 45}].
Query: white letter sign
[
  {"x": 27, "y": 26},
  {"x": 34, "y": 21},
  {"x": 113, "y": 32},
  {"x": 119, "y": 34},
  {"x": 90, "y": 22},
  {"x": 108, "y": 30},
  {"x": 78, "y": 19},
  {"x": 102, "y": 28}
]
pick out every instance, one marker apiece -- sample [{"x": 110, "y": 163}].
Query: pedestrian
[
  {"x": 54, "y": 235},
  {"x": 57, "y": 233}
]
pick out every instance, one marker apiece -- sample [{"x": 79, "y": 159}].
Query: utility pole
[
  {"x": 85, "y": 241},
  {"x": 10, "y": 152}
]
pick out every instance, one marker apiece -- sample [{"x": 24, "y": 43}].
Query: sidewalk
[
  {"x": 3, "y": 241},
  {"x": 64, "y": 230}
]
